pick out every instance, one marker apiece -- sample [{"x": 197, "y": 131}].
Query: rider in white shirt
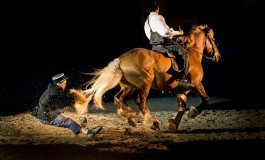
[{"x": 156, "y": 23}]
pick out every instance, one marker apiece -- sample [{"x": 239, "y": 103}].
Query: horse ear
[{"x": 207, "y": 29}]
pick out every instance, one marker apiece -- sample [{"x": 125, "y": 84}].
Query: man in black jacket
[{"x": 54, "y": 97}]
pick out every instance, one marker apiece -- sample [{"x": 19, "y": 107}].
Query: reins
[{"x": 207, "y": 57}]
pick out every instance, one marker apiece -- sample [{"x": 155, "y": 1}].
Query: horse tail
[{"x": 104, "y": 80}]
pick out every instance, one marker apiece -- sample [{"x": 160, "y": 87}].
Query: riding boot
[{"x": 184, "y": 83}]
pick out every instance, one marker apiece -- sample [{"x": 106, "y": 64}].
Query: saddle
[{"x": 167, "y": 53}]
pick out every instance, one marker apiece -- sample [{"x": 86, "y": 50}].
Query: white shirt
[{"x": 158, "y": 24}]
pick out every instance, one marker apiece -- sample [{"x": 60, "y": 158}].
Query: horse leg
[
  {"x": 125, "y": 109},
  {"x": 174, "y": 123},
  {"x": 148, "y": 117},
  {"x": 194, "y": 111}
]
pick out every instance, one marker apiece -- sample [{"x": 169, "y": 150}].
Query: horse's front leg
[
  {"x": 174, "y": 123},
  {"x": 194, "y": 111}
]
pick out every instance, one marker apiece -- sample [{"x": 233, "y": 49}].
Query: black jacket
[{"x": 54, "y": 97}]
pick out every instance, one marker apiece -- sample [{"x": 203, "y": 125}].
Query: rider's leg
[{"x": 183, "y": 73}]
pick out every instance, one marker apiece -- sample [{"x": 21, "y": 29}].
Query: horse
[{"x": 139, "y": 70}]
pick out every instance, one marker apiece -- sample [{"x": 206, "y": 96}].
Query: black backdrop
[{"x": 41, "y": 40}]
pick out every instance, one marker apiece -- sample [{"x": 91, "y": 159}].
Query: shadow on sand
[{"x": 96, "y": 152}]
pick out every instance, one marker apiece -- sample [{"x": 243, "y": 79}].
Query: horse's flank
[{"x": 143, "y": 64}]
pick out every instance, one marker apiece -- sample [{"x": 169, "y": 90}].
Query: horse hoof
[
  {"x": 173, "y": 126},
  {"x": 193, "y": 112},
  {"x": 132, "y": 122},
  {"x": 155, "y": 126}
]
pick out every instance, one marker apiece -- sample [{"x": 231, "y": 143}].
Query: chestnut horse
[{"x": 140, "y": 70}]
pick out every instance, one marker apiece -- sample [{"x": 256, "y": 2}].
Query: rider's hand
[
  {"x": 176, "y": 33},
  {"x": 181, "y": 32}
]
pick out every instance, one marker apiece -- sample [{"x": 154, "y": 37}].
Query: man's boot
[
  {"x": 91, "y": 133},
  {"x": 184, "y": 83}
]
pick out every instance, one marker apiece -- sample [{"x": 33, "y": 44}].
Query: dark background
[{"x": 43, "y": 39}]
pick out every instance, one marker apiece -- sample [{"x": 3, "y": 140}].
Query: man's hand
[
  {"x": 181, "y": 32},
  {"x": 172, "y": 32}
]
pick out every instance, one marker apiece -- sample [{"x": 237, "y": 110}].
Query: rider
[{"x": 156, "y": 23}]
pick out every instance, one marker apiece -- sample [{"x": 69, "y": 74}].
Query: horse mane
[{"x": 188, "y": 39}]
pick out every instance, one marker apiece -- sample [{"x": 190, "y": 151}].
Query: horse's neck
[
  {"x": 197, "y": 51},
  {"x": 198, "y": 47}
]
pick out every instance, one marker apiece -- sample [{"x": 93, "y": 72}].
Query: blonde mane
[{"x": 188, "y": 40}]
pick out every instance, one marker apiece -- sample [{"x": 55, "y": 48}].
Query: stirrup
[{"x": 183, "y": 86}]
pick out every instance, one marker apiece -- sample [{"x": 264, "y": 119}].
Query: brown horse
[{"x": 140, "y": 70}]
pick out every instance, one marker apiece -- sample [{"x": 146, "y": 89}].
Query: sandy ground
[{"x": 220, "y": 128}]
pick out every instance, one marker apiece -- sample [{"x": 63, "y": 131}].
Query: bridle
[{"x": 211, "y": 54}]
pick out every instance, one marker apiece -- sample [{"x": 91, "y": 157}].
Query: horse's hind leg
[
  {"x": 148, "y": 117},
  {"x": 125, "y": 109},
  {"x": 194, "y": 111},
  {"x": 174, "y": 123}
]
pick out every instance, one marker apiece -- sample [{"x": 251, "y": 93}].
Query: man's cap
[{"x": 58, "y": 78}]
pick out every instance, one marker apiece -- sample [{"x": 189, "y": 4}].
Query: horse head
[
  {"x": 210, "y": 50},
  {"x": 201, "y": 39}
]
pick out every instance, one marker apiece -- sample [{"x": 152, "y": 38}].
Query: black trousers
[{"x": 181, "y": 54}]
